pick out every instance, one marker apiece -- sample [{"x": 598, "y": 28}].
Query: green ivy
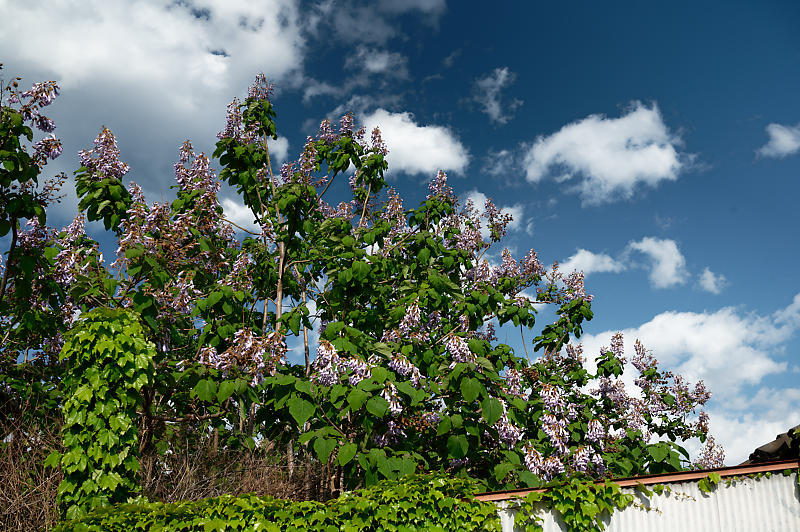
[
  {"x": 419, "y": 502},
  {"x": 108, "y": 362},
  {"x": 580, "y": 502},
  {"x": 709, "y": 483}
]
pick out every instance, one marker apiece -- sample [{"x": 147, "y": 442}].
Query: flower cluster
[
  {"x": 712, "y": 455},
  {"x": 40, "y": 95},
  {"x": 258, "y": 355},
  {"x": 103, "y": 160},
  {"x": 458, "y": 350},
  {"x": 328, "y": 368}
]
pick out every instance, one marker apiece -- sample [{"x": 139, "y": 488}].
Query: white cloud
[
  {"x": 351, "y": 21},
  {"x": 734, "y": 352},
  {"x": 279, "y": 149},
  {"x": 176, "y": 49},
  {"x": 783, "y": 141},
  {"x": 712, "y": 282},
  {"x": 487, "y": 94},
  {"x": 609, "y": 156},
  {"x": 154, "y": 72},
  {"x": 588, "y": 262},
  {"x": 416, "y": 149},
  {"x": 516, "y": 211},
  {"x": 499, "y": 163},
  {"x": 668, "y": 266},
  {"x": 239, "y": 214},
  {"x": 373, "y": 61}
]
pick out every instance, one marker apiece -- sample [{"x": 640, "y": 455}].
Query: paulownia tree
[{"x": 391, "y": 312}]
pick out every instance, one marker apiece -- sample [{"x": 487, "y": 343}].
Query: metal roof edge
[{"x": 664, "y": 478}]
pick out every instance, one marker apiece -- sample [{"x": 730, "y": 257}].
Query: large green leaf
[
  {"x": 301, "y": 410},
  {"x": 346, "y": 453},
  {"x": 470, "y": 389},
  {"x": 491, "y": 410},
  {"x": 457, "y": 446},
  {"x": 206, "y": 390}
]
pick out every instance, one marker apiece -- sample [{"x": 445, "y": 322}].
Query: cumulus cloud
[
  {"x": 516, "y": 211},
  {"x": 487, "y": 90},
  {"x": 239, "y": 214},
  {"x": 177, "y": 47},
  {"x": 667, "y": 263},
  {"x": 783, "y": 141},
  {"x": 608, "y": 158},
  {"x": 734, "y": 352},
  {"x": 155, "y": 72},
  {"x": 588, "y": 262},
  {"x": 279, "y": 149},
  {"x": 417, "y": 149},
  {"x": 712, "y": 282}
]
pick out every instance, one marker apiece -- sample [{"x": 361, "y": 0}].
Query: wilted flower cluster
[
  {"x": 40, "y": 95},
  {"x": 257, "y": 355}
]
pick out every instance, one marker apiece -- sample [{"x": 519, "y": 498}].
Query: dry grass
[
  {"x": 28, "y": 490},
  {"x": 207, "y": 473}
]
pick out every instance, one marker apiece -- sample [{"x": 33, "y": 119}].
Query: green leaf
[
  {"x": 356, "y": 398},
  {"x": 457, "y": 446},
  {"x": 301, "y": 410},
  {"x": 324, "y": 447},
  {"x": 658, "y": 452},
  {"x": 377, "y": 406},
  {"x": 226, "y": 389},
  {"x": 491, "y": 410},
  {"x": 470, "y": 389},
  {"x": 206, "y": 390},
  {"x": 53, "y": 459},
  {"x": 346, "y": 453}
]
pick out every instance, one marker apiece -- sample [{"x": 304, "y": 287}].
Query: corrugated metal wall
[{"x": 748, "y": 504}]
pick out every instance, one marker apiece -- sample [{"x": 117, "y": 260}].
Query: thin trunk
[
  {"x": 305, "y": 340},
  {"x": 8, "y": 263},
  {"x": 290, "y": 458}
]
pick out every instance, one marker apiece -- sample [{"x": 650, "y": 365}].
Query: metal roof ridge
[{"x": 662, "y": 478}]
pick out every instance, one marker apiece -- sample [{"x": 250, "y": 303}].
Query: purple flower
[
  {"x": 552, "y": 398},
  {"x": 439, "y": 187},
  {"x": 595, "y": 432},
  {"x": 390, "y": 394},
  {"x": 393, "y": 435},
  {"x": 712, "y": 455},
  {"x": 581, "y": 458},
  {"x": 261, "y": 89},
  {"x": 508, "y": 433},
  {"x": 42, "y": 94},
  {"x": 47, "y": 148},
  {"x": 104, "y": 158},
  {"x": 458, "y": 350},
  {"x": 575, "y": 287},
  {"x": 410, "y": 320},
  {"x": 556, "y": 430},
  {"x": 533, "y": 459}
]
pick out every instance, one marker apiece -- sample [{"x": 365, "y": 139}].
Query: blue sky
[{"x": 655, "y": 147}]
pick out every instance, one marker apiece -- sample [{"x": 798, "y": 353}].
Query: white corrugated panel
[{"x": 747, "y": 504}]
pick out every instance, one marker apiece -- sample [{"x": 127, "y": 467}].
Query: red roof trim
[{"x": 666, "y": 478}]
